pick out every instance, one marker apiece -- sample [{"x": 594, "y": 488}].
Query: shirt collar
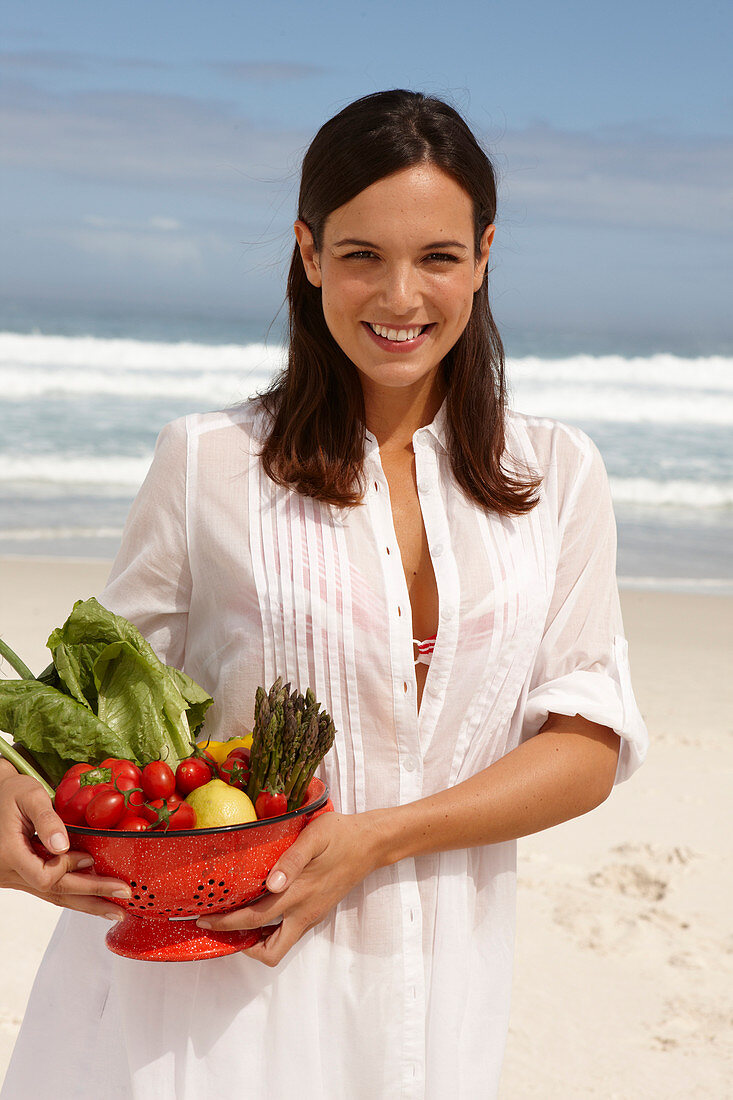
[{"x": 435, "y": 432}]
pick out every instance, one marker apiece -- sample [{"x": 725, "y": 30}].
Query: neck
[{"x": 394, "y": 414}]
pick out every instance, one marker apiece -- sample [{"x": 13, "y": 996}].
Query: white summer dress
[{"x": 403, "y": 990}]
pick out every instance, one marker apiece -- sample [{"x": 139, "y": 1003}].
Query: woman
[{"x": 378, "y": 504}]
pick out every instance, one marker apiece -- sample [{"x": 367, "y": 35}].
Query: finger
[
  {"x": 266, "y": 911},
  {"x": 290, "y": 864},
  {"x": 83, "y": 885},
  {"x": 35, "y": 804},
  {"x": 273, "y": 948},
  {"x": 42, "y": 874},
  {"x": 93, "y": 907}
]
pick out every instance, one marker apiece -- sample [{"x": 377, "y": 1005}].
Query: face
[{"x": 397, "y": 269}]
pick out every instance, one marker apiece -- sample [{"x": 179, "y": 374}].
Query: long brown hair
[{"x": 315, "y": 442}]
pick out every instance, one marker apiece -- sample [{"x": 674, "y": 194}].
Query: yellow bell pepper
[{"x": 221, "y": 749}]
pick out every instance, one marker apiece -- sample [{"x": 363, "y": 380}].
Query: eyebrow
[{"x": 428, "y": 247}]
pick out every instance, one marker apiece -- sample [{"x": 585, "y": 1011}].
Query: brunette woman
[{"x": 440, "y": 571}]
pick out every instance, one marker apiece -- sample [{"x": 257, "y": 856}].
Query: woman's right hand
[{"x": 65, "y": 878}]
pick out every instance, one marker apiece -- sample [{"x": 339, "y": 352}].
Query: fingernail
[
  {"x": 276, "y": 881},
  {"x": 58, "y": 842},
  {"x": 123, "y": 892},
  {"x": 85, "y": 861},
  {"x": 117, "y": 916},
  {"x": 204, "y": 924}
]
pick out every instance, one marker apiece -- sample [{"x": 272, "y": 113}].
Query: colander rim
[{"x": 308, "y": 808}]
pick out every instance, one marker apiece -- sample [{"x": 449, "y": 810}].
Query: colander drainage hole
[
  {"x": 136, "y": 897},
  {"x": 211, "y": 882},
  {"x": 222, "y": 883},
  {"x": 211, "y": 894},
  {"x": 134, "y": 885}
]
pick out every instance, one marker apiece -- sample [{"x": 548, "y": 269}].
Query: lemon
[{"x": 216, "y": 803}]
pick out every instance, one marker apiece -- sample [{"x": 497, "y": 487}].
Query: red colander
[{"x": 177, "y": 877}]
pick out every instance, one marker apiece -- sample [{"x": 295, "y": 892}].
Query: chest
[{"x": 409, "y": 526}]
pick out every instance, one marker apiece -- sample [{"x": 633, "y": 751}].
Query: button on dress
[{"x": 402, "y": 991}]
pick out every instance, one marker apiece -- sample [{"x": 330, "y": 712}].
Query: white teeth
[{"x": 397, "y": 335}]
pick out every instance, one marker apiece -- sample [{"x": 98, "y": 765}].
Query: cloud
[
  {"x": 158, "y": 242},
  {"x": 615, "y": 178},
  {"x": 634, "y": 180},
  {"x": 138, "y": 139},
  {"x": 165, "y": 225},
  {"x": 70, "y": 61}
]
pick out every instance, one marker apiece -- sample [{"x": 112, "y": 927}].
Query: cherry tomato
[
  {"x": 158, "y": 780},
  {"x": 190, "y": 774},
  {"x": 182, "y": 817},
  {"x": 105, "y": 809},
  {"x": 270, "y": 805},
  {"x": 134, "y": 797},
  {"x": 120, "y": 768},
  {"x": 132, "y": 823},
  {"x": 239, "y": 754},
  {"x": 151, "y": 810},
  {"x": 75, "y": 810},
  {"x": 234, "y": 772}
]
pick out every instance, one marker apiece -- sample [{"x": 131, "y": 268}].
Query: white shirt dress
[{"x": 403, "y": 990}]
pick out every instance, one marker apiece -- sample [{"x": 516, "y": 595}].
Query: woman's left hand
[{"x": 332, "y": 855}]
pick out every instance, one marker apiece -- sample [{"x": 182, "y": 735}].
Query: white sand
[{"x": 624, "y": 972}]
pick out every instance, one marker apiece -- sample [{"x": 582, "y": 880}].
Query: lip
[{"x": 395, "y": 346}]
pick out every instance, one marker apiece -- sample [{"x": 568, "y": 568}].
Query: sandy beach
[{"x": 624, "y": 970}]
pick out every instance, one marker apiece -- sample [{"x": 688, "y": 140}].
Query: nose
[{"x": 400, "y": 290}]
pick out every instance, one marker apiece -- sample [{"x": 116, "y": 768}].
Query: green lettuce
[{"x": 106, "y": 694}]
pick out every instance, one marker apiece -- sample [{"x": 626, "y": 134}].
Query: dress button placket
[{"x": 410, "y": 789}]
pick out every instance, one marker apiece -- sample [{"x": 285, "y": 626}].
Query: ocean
[{"x": 81, "y": 408}]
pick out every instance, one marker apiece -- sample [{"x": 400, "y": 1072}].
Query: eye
[
  {"x": 362, "y": 255},
  {"x": 442, "y": 258}
]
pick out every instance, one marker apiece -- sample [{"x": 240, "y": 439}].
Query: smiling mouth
[{"x": 398, "y": 335}]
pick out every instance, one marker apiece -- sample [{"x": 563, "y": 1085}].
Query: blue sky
[{"x": 150, "y": 151}]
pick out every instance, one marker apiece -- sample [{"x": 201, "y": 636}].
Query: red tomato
[
  {"x": 182, "y": 817},
  {"x": 120, "y": 768},
  {"x": 270, "y": 805},
  {"x": 239, "y": 754},
  {"x": 158, "y": 780},
  {"x": 75, "y": 811},
  {"x": 151, "y": 810},
  {"x": 132, "y": 823},
  {"x": 190, "y": 774},
  {"x": 234, "y": 771},
  {"x": 134, "y": 797},
  {"x": 105, "y": 809}
]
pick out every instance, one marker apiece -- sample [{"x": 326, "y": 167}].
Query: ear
[
  {"x": 308, "y": 253},
  {"x": 483, "y": 256}
]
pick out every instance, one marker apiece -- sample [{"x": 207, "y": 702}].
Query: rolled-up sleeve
[{"x": 582, "y": 664}]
